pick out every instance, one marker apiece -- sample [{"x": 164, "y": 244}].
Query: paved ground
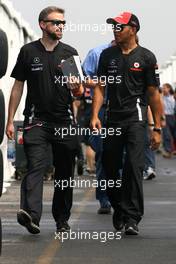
[{"x": 156, "y": 243}]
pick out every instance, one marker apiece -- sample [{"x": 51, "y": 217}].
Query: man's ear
[
  {"x": 42, "y": 25},
  {"x": 134, "y": 30}
]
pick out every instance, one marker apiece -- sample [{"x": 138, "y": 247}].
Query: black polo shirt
[
  {"x": 127, "y": 79},
  {"x": 47, "y": 97}
]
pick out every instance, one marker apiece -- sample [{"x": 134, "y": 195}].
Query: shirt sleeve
[
  {"x": 152, "y": 72},
  {"x": 19, "y": 71},
  {"x": 90, "y": 64},
  {"x": 75, "y": 52}
]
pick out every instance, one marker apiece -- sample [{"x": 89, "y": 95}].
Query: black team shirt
[
  {"x": 47, "y": 97},
  {"x": 127, "y": 79}
]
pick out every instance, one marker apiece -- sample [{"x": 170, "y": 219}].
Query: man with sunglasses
[
  {"x": 48, "y": 110},
  {"x": 127, "y": 109}
]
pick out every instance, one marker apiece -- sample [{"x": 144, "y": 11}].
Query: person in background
[
  {"x": 82, "y": 106},
  {"x": 90, "y": 66},
  {"x": 149, "y": 168},
  {"x": 80, "y": 153},
  {"x": 150, "y": 161},
  {"x": 89, "y": 152},
  {"x": 174, "y": 152},
  {"x": 169, "y": 131}
]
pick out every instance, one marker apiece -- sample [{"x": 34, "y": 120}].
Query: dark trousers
[
  {"x": 169, "y": 132},
  {"x": 36, "y": 143},
  {"x": 127, "y": 200}
]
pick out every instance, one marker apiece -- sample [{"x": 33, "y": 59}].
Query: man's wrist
[
  {"x": 157, "y": 129},
  {"x": 163, "y": 118},
  {"x": 94, "y": 116},
  {"x": 151, "y": 124},
  {"x": 10, "y": 122}
]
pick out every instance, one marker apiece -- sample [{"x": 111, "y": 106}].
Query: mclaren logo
[{"x": 36, "y": 60}]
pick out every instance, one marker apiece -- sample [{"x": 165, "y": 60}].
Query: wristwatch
[
  {"x": 157, "y": 129},
  {"x": 163, "y": 118}
]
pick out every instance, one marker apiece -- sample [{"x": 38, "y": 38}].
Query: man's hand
[
  {"x": 155, "y": 140},
  {"x": 95, "y": 123},
  {"x": 15, "y": 98},
  {"x": 10, "y": 131},
  {"x": 75, "y": 86}
]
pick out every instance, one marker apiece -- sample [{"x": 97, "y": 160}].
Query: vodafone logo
[{"x": 136, "y": 65}]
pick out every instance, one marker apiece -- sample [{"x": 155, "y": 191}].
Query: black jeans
[
  {"x": 36, "y": 141},
  {"x": 169, "y": 132},
  {"x": 127, "y": 201}
]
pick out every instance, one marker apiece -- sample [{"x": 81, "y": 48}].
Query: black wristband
[
  {"x": 163, "y": 118},
  {"x": 157, "y": 130}
]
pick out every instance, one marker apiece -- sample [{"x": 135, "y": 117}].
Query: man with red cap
[{"x": 128, "y": 100}]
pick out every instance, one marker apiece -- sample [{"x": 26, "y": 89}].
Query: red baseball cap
[{"x": 125, "y": 18}]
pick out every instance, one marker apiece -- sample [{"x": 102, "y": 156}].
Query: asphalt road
[{"x": 93, "y": 239}]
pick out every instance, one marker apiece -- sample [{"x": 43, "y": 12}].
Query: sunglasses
[
  {"x": 56, "y": 22},
  {"x": 118, "y": 27}
]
